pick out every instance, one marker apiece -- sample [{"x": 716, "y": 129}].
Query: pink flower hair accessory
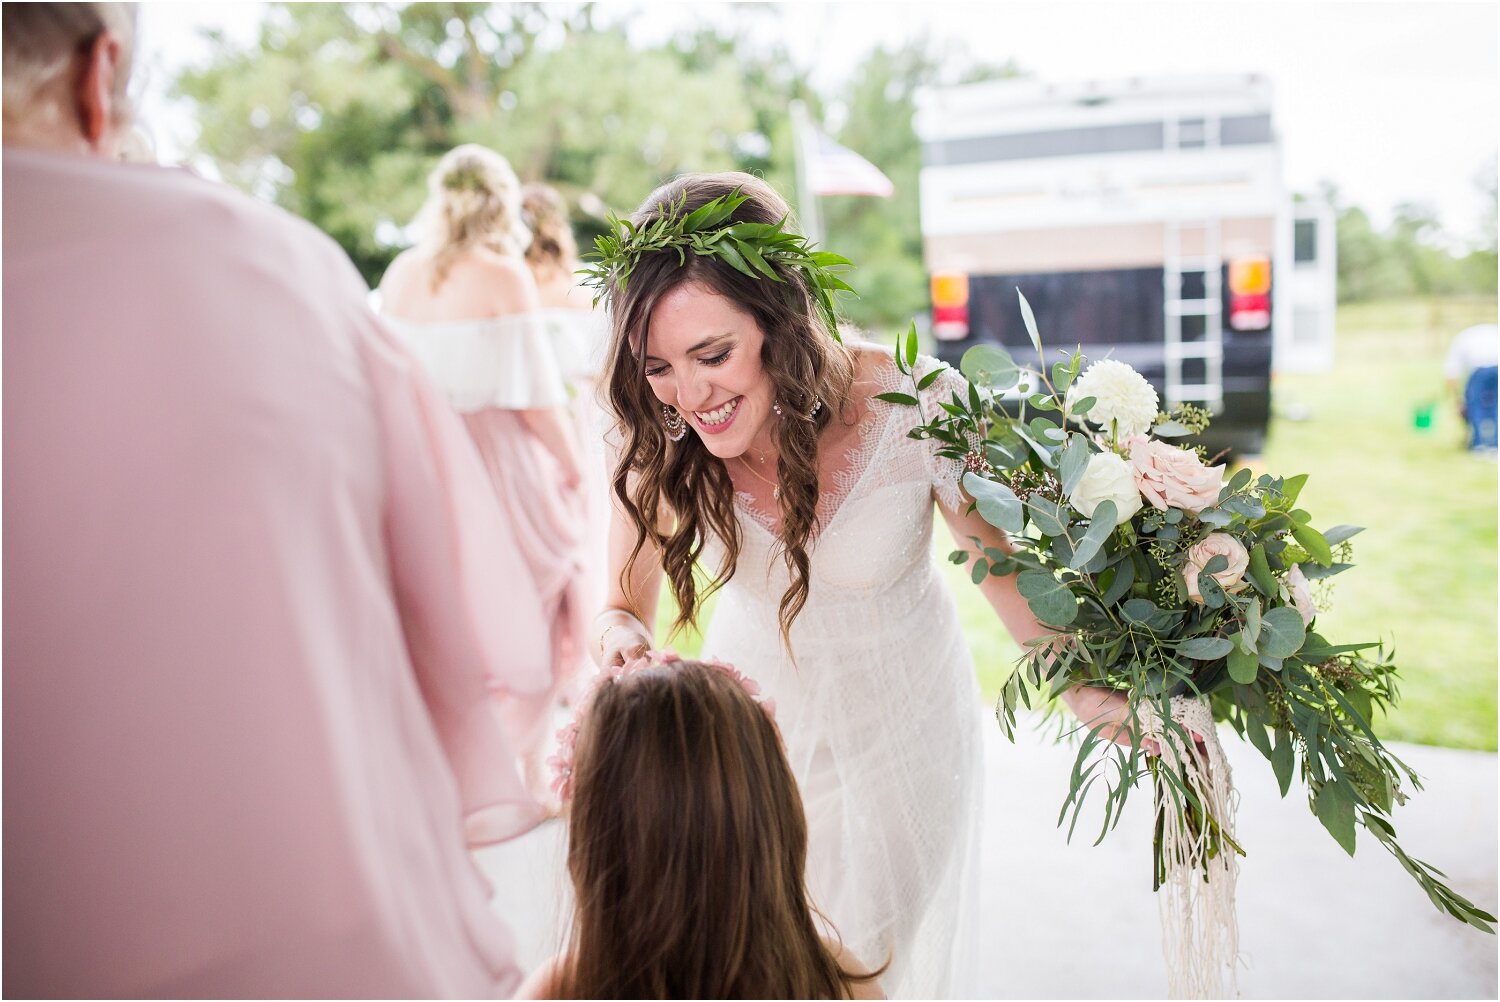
[{"x": 567, "y": 738}]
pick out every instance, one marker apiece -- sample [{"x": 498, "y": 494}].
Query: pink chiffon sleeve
[{"x": 467, "y": 602}]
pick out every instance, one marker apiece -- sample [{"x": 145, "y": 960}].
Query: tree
[{"x": 339, "y": 110}]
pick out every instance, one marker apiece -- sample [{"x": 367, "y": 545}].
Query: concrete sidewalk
[{"x": 1079, "y": 921}]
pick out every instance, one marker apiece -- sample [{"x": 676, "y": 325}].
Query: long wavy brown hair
[
  {"x": 683, "y": 480},
  {"x": 686, "y": 848}
]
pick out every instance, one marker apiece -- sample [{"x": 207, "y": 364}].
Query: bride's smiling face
[{"x": 703, "y": 358}]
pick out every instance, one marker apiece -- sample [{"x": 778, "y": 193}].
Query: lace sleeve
[{"x": 945, "y": 473}]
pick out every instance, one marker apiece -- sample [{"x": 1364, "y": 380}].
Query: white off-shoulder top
[{"x": 509, "y": 362}]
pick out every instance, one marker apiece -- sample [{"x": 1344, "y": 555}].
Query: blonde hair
[
  {"x": 473, "y": 200},
  {"x": 39, "y": 42},
  {"x": 553, "y": 250}
]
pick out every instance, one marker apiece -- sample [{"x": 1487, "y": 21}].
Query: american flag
[{"x": 835, "y": 170}]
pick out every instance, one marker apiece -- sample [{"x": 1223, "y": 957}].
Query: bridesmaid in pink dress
[
  {"x": 578, "y": 333},
  {"x": 464, "y": 301},
  {"x": 256, "y": 590}
]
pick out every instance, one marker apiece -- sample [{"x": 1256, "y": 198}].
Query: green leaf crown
[{"x": 752, "y": 249}]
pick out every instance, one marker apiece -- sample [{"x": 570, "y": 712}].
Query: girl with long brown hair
[
  {"x": 758, "y": 460},
  {"x": 686, "y": 848}
]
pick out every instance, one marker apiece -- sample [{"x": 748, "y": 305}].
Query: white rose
[
  {"x": 1122, "y": 398},
  {"x": 1107, "y": 478}
]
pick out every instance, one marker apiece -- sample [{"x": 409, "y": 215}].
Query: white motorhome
[{"x": 1143, "y": 218}]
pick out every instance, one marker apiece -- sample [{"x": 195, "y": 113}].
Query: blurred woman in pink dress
[
  {"x": 465, "y": 302},
  {"x": 579, "y": 335}
]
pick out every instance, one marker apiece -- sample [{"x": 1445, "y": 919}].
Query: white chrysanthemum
[{"x": 1122, "y": 397}]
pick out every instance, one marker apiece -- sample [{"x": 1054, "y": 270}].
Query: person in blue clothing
[{"x": 1471, "y": 370}]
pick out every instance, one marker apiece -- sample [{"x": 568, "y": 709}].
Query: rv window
[
  {"x": 1305, "y": 241},
  {"x": 1090, "y": 141}
]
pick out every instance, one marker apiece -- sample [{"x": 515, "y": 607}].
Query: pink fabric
[
  {"x": 256, "y": 590},
  {"x": 549, "y": 521}
]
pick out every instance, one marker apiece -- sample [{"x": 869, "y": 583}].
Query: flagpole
[{"x": 807, "y": 197}]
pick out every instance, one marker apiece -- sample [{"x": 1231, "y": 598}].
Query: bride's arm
[
  {"x": 624, "y": 629},
  {"x": 1092, "y": 706}
]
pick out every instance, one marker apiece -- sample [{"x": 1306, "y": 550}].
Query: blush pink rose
[
  {"x": 1216, "y": 544},
  {"x": 1170, "y": 477},
  {"x": 1301, "y": 590}
]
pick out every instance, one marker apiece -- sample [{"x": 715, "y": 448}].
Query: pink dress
[
  {"x": 255, "y": 593},
  {"x": 581, "y": 340},
  {"x": 489, "y": 370}
]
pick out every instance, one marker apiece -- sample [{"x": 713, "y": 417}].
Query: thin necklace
[{"x": 775, "y": 487}]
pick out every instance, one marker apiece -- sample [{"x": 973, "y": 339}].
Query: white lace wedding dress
[{"x": 879, "y": 710}]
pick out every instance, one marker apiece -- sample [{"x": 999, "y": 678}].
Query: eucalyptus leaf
[
  {"x": 1215, "y": 517},
  {"x": 1171, "y": 429},
  {"x": 1120, "y": 584},
  {"x": 1139, "y": 610},
  {"x": 1073, "y": 461},
  {"x": 1339, "y": 533},
  {"x": 1242, "y": 504},
  {"x": 1240, "y": 480},
  {"x": 1051, "y": 519},
  {"x": 1083, "y": 405},
  {"x": 1007, "y": 450},
  {"x": 1206, "y": 648},
  {"x": 1051, "y": 601},
  {"x": 1282, "y": 632},
  {"x": 1101, "y": 525},
  {"x": 1242, "y": 667},
  {"x": 1029, "y": 319},
  {"x": 1252, "y": 621},
  {"x": 1312, "y": 571},
  {"x": 989, "y": 365},
  {"x": 998, "y": 504}
]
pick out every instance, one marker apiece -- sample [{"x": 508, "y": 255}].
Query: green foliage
[
  {"x": 1411, "y": 256},
  {"x": 339, "y": 111},
  {"x": 1241, "y": 642},
  {"x": 757, "y": 250}
]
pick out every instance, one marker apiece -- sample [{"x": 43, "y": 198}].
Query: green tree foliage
[
  {"x": 1412, "y": 256},
  {"x": 339, "y": 110}
]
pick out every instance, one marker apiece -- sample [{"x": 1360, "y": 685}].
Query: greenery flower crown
[
  {"x": 466, "y": 177},
  {"x": 749, "y": 248}
]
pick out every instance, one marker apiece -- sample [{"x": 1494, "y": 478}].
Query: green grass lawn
[{"x": 1425, "y": 580}]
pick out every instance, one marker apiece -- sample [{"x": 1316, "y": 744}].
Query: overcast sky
[{"x": 1393, "y": 101}]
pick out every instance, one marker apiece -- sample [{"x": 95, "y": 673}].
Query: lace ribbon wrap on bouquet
[{"x": 1197, "y": 862}]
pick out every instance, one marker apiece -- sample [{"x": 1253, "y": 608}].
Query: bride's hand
[
  {"x": 621, "y": 637},
  {"x": 1110, "y": 708}
]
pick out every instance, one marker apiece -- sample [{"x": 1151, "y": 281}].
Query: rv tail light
[
  {"x": 950, "y": 306},
  {"x": 1250, "y": 293},
  {"x": 1250, "y": 276},
  {"x": 1249, "y": 312}
]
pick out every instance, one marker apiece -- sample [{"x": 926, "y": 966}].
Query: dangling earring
[
  {"x": 817, "y": 406},
  {"x": 673, "y": 423}
]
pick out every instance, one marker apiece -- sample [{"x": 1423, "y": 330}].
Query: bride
[{"x": 754, "y": 448}]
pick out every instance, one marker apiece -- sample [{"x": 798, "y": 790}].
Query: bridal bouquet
[{"x": 1195, "y": 598}]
